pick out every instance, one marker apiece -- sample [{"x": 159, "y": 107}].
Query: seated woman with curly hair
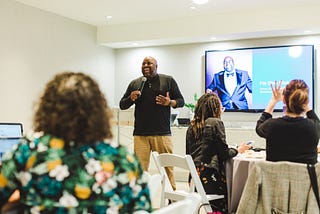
[{"x": 70, "y": 165}]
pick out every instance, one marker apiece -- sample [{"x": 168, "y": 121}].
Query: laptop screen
[{"x": 10, "y": 133}]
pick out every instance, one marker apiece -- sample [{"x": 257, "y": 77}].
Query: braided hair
[{"x": 208, "y": 105}]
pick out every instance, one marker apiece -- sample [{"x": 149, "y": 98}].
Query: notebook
[{"x": 10, "y": 134}]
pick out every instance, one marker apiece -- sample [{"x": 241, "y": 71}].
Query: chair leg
[
  {"x": 208, "y": 208},
  {"x": 163, "y": 200}
]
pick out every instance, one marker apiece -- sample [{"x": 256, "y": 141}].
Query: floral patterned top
[{"x": 56, "y": 177}]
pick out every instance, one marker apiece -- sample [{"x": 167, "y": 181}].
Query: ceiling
[
  {"x": 123, "y": 12},
  {"x": 94, "y": 12}
]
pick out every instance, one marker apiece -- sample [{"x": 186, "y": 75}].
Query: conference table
[{"x": 237, "y": 171}]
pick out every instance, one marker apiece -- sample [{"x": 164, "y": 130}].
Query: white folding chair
[
  {"x": 190, "y": 205},
  {"x": 184, "y": 162},
  {"x": 154, "y": 183}
]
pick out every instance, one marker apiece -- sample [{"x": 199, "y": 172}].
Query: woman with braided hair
[{"x": 206, "y": 143}]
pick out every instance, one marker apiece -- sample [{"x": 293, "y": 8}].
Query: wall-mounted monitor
[{"x": 242, "y": 77}]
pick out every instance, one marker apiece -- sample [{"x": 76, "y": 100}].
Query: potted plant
[{"x": 192, "y": 106}]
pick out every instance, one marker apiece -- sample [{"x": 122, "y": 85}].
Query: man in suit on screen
[{"x": 231, "y": 85}]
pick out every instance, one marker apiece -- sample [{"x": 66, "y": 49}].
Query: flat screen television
[{"x": 256, "y": 69}]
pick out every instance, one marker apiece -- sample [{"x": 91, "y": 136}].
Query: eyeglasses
[{"x": 223, "y": 108}]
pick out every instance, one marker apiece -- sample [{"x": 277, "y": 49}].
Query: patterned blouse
[{"x": 55, "y": 177}]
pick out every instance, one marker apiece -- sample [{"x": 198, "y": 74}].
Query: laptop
[{"x": 10, "y": 134}]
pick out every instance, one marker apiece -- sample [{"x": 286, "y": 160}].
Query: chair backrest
[
  {"x": 279, "y": 187},
  {"x": 189, "y": 205},
  {"x": 182, "y": 162},
  {"x": 154, "y": 183},
  {"x": 186, "y": 163},
  {"x": 166, "y": 186}
]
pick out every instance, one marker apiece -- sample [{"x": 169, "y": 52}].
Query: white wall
[
  {"x": 34, "y": 45},
  {"x": 186, "y": 64}
]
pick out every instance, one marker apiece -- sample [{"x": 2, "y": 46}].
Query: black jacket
[{"x": 211, "y": 148}]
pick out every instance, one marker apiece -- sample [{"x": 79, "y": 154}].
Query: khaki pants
[{"x": 143, "y": 145}]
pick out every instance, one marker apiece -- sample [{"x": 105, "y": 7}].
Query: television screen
[{"x": 242, "y": 77}]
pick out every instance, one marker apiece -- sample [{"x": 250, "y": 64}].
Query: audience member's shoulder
[
  {"x": 122, "y": 152},
  {"x": 20, "y": 151},
  {"x": 213, "y": 121},
  {"x": 110, "y": 147}
]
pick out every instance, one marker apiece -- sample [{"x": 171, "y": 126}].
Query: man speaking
[{"x": 153, "y": 102}]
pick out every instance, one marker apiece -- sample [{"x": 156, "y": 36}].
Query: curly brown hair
[
  {"x": 73, "y": 108},
  {"x": 208, "y": 105},
  {"x": 296, "y": 96}
]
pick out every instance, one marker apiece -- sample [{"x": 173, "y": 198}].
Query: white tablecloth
[{"x": 237, "y": 170}]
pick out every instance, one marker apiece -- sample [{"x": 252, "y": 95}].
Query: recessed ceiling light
[
  {"x": 307, "y": 31},
  {"x": 135, "y": 44},
  {"x": 213, "y": 38},
  {"x": 200, "y": 1},
  {"x": 192, "y": 7},
  {"x": 108, "y": 17}
]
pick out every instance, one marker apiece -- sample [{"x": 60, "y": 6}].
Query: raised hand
[
  {"x": 276, "y": 91},
  {"x": 276, "y": 96}
]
